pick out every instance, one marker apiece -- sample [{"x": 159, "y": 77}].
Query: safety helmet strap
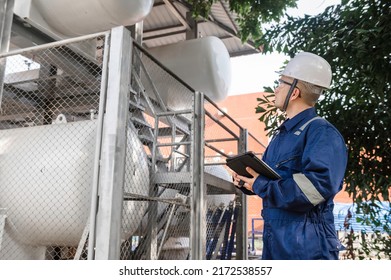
[{"x": 288, "y": 96}]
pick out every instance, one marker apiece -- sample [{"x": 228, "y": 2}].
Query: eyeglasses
[{"x": 282, "y": 82}]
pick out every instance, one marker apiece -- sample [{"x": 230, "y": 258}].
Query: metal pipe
[
  {"x": 55, "y": 44},
  {"x": 216, "y": 150},
  {"x": 173, "y": 144},
  {"x": 221, "y": 140},
  {"x": 230, "y": 118},
  {"x": 138, "y": 197},
  {"x": 224, "y": 113},
  {"x": 221, "y": 124},
  {"x": 162, "y": 66},
  {"x": 173, "y": 113},
  {"x": 256, "y": 140}
]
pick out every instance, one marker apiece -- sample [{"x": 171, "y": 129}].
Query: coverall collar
[{"x": 289, "y": 124}]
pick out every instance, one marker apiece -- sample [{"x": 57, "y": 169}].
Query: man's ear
[{"x": 295, "y": 93}]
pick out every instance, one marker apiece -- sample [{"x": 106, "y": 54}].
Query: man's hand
[{"x": 245, "y": 182}]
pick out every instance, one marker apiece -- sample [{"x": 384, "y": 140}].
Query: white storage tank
[
  {"x": 72, "y": 18},
  {"x": 203, "y": 63},
  {"x": 46, "y": 181}
]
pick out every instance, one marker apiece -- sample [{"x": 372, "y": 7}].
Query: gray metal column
[
  {"x": 6, "y": 15},
  {"x": 198, "y": 188},
  {"x": 112, "y": 171},
  {"x": 137, "y": 31},
  {"x": 241, "y": 229}
]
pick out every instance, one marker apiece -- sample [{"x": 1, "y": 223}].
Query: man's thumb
[{"x": 252, "y": 172}]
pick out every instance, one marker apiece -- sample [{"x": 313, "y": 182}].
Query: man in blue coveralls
[{"x": 310, "y": 155}]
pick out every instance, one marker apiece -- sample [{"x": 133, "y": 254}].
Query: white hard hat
[{"x": 309, "y": 67}]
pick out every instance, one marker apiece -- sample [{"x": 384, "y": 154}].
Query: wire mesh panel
[
  {"x": 164, "y": 130},
  {"x": 49, "y": 107}
]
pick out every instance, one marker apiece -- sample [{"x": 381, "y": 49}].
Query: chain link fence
[
  {"x": 50, "y": 102},
  {"x": 52, "y": 107}
]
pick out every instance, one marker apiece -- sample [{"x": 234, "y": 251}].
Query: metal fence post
[
  {"x": 241, "y": 247},
  {"x": 6, "y": 15},
  {"x": 198, "y": 189},
  {"x": 108, "y": 222}
]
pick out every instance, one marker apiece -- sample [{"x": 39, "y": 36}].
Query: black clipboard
[{"x": 240, "y": 162}]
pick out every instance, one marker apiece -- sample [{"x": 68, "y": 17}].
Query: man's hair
[{"x": 309, "y": 92}]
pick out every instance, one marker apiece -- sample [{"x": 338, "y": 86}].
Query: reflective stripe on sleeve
[{"x": 308, "y": 189}]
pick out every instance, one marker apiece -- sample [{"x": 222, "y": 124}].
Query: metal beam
[
  {"x": 177, "y": 14},
  {"x": 229, "y": 16},
  {"x": 24, "y": 35},
  {"x": 164, "y": 29}
]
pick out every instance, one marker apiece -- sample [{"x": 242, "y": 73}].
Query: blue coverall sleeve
[{"x": 316, "y": 177}]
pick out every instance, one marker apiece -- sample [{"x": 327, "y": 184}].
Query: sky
[{"x": 250, "y": 73}]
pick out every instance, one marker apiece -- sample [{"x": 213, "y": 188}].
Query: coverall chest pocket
[{"x": 290, "y": 163}]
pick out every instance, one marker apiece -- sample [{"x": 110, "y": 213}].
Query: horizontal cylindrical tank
[
  {"x": 46, "y": 175},
  {"x": 81, "y": 17},
  {"x": 203, "y": 63}
]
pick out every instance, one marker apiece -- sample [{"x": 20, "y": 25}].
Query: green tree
[{"x": 355, "y": 37}]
